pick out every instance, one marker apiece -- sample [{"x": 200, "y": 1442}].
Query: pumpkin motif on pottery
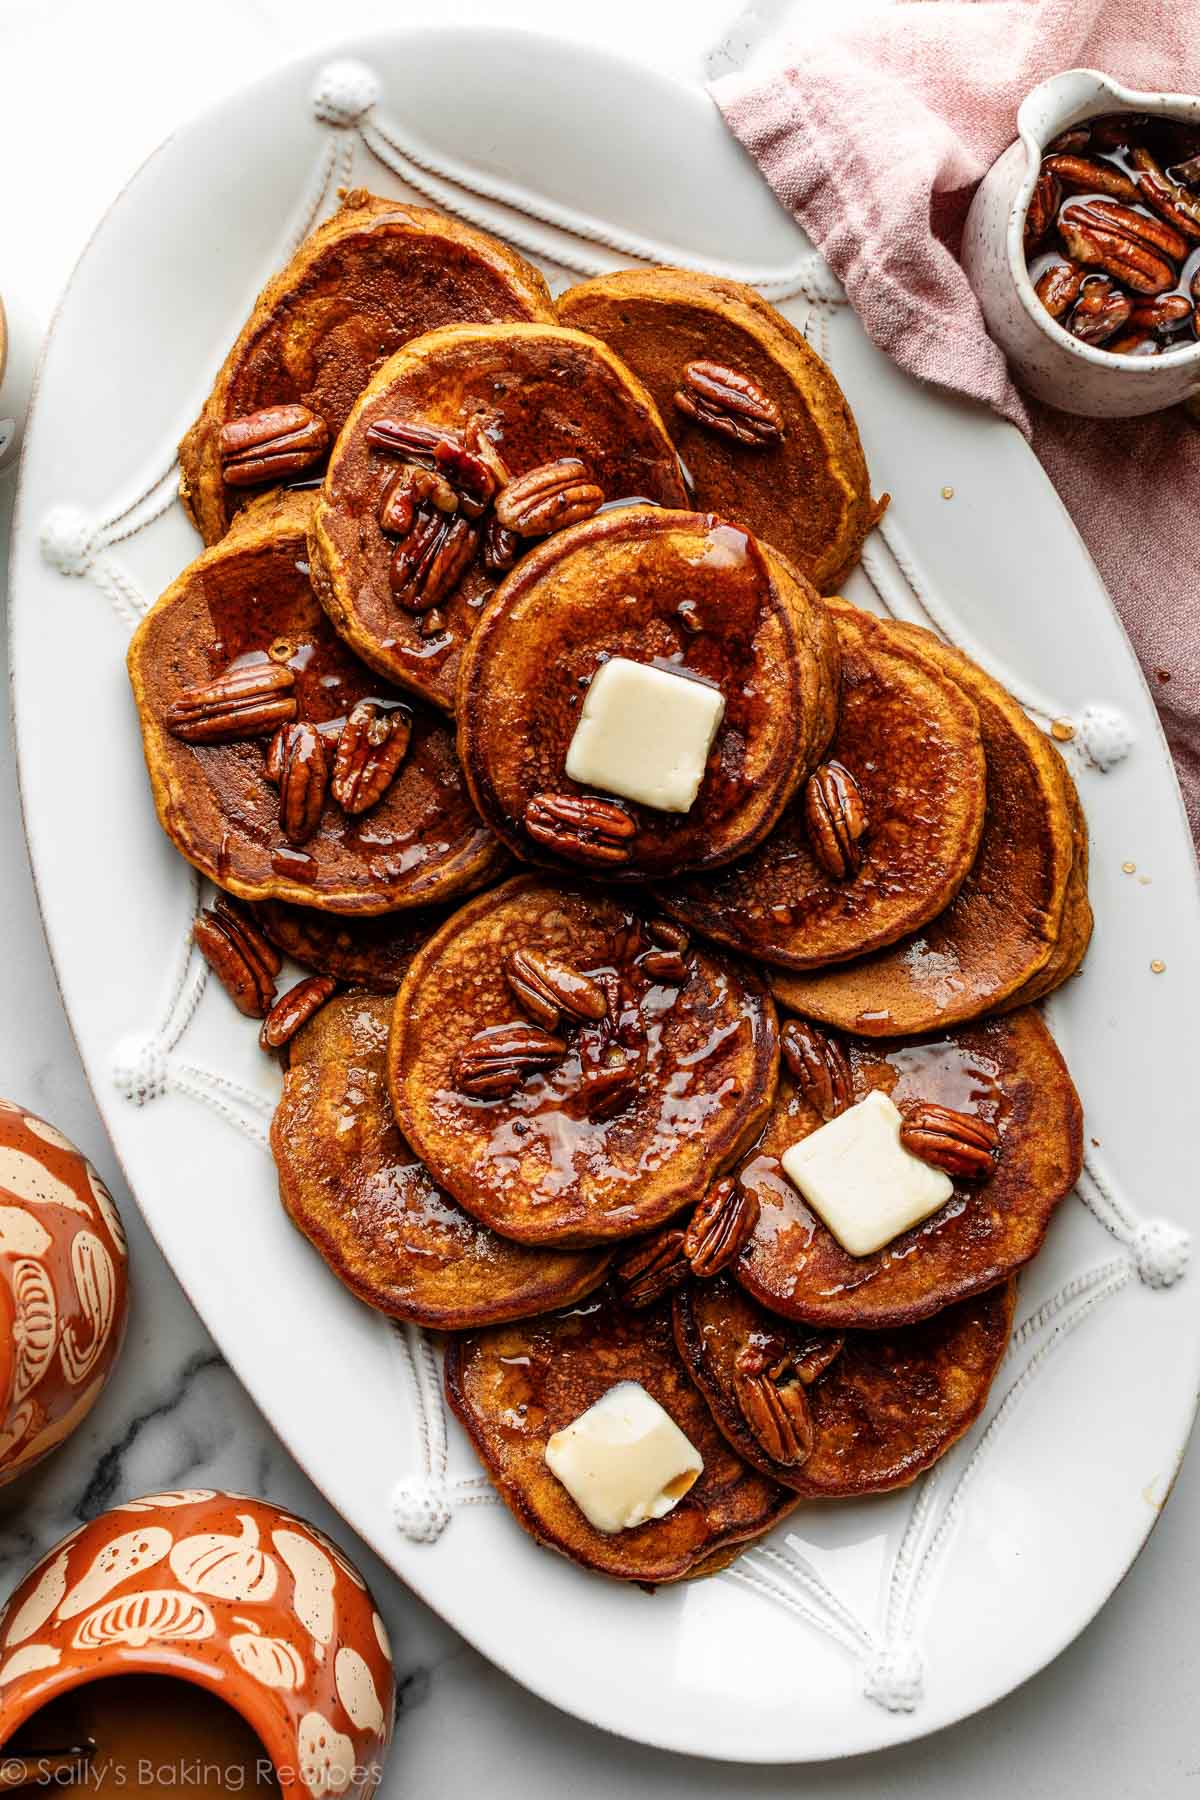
[
  {"x": 63, "y": 1288},
  {"x": 226, "y": 1591},
  {"x": 312, "y": 1573},
  {"x": 158, "y": 1615},
  {"x": 232, "y": 1568}
]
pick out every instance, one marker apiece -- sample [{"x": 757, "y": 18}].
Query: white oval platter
[{"x": 856, "y": 1625}]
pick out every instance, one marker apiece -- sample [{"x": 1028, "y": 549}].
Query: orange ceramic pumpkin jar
[
  {"x": 63, "y": 1288},
  {"x": 229, "y": 1595}
]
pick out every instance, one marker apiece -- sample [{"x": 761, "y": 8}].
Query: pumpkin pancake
[
  {"x": 354, "y": 1188},
  {"x": 1075, "y": 932},
  {"x": 644, "y": 1090},
  {"x": 861, "y": 1413},
  {"x": 910, "y": 739},
  {"x": 802, "y": 485},
  {"x": 522, "y": 395},
  {"x": 679, "y": 591},
  {"x": 247, "y": 605},
  {"x": 1000, "y": 929},
  {"x": 371, "y": 953},
  {"x": 514, "y": 1386},
  {"x": 376, "y": 274},
  {"x": 1006, "y": 1070}
]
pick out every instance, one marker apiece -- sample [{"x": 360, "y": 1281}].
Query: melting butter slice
[
  {"x": 856, "y": 1174},
  {"x": 645, "y": 734},
  {"x": 624, "y": 1460}
]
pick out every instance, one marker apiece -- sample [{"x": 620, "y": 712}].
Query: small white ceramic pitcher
[{"x": 1045, "y": 359}]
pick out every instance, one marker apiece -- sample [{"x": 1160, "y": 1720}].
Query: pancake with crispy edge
[
  {"x": 514, "y": 1386},
  {"x": 537, "y": 392},
  {"x": 809, "y": 494},
  {"x": 371, "y": 953},
  {"x": 351, "y": 1184},
  {"x": 1009, "y": 1071},
  {"x": 362, "y": 284},
  {"x": 248, "y": 598},
  {"x": 683, "y": 591},
  {"x": 888, "y": 1405},
  {"x": 1002, "y": 926},
  {"x": 910, "y": 738},
  {"x": 544, "y": 1164}
]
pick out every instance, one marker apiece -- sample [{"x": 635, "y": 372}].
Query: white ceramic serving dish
[
  {"x": 1044, "y": 358},
  {"x": 858, "y": 1625}
]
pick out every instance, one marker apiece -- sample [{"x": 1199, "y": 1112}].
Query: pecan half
[
  {"x": 239, "y": 956},
  {"x": 581, "y": 826},
  {"x": 501, "y": 547},
  {"x": 1171, "y": 201},
  {"x": 547, "y": 989},
  {"x": 1058, "y": 287},
  {"x": 1081, "y": 175},
  {"x": 608, "y": 1083},
  {"x": 1166, "y": 314},
  {"x": 666, "y": 965},
  {"x": 500, "y": 1057},
  {"x": 667, "y": 934},
  {"x": 651, "y": 1267},
  {"x": 248, "y": 701},
  {"x": 729, "y": 403},
  {"x": 813, "y": 1355},
  {"x": 440, "y": 448},
  {"x": 1043, "y": 204},
  {"x": 1103, "y": 234},
  {"x": 270, "y": 445},
  {"x": 1100, "y": 311},
  {"x": 294, "y": 1009},
  {"x": 963, "y": 1144},
  {"x": 545, "y": 499},
  {"x": 836, "y": 819},
  {"x": 410, "y": 487},
  {"x": 370, "y": 748},
  {"x": 776, "y": 1412},
  {"x": 303, "y": 778},
  {"x": 431, "y": 559},
  {"x": 721, "y": 1227},
  {"x": 819, "y": 1068},
  {"x": 1070, "y": 142}
]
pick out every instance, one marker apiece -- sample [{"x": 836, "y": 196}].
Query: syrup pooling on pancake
[
  {"x": 247, "y": 604},
  {"x": 354, "y": 1188},
  {"x": 600, "y": 1128},
  {"x": 1008, "y": 1072},
  {"x": 683, "y": 592}
]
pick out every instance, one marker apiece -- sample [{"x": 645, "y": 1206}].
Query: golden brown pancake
[
  {"x": 370, "y": 953},
  {"x": 628, "y": 1118},
  {"x": 514, "y": 1386},
  {"x": 354, "y": 1188},
  {"x": 536, "y": 393},
  {"x": 910, "y": 738},
  {"x": 808, "y": 493},
  {"x": 1075, "y": 932},
  {"x": 376, "y": 274},
  {"x": 684, "y": 591},
  {"x": 886, "y": 1406},
  {"x": 248, "y": 602},
  {"x": 1008, "y": 1071},
  {"x": 1001, "y": 927}
]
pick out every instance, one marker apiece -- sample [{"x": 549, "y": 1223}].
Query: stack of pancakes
[{"x": 547, "y": 1111}]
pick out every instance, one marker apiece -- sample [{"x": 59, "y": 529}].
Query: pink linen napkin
[{"x": 875, "y": 138}]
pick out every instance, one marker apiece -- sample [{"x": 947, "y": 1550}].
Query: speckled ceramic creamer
[{"x": 1044, "y": 358}]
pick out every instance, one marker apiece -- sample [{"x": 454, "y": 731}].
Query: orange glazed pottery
[
  {"x": 232, "y": 1595},
  {"x": 64, "y": 1288}
]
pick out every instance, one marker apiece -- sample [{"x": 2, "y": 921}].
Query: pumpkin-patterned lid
[{"x": 232, "y": 1594}]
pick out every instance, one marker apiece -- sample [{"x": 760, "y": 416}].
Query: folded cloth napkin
[{"x": 875, "y": 137}]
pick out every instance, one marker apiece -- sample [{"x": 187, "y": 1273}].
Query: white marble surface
[{"x": 1113, "y": 1717}]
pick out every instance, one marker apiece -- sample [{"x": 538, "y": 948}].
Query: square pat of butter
[
  {"x": 624, "y": 1460},
  {"x": 645, "y": 734},
  {"x": 858, "y": 1177}
]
